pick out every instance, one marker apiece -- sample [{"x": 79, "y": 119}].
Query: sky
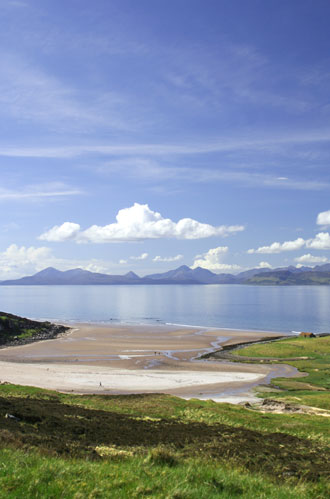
[{"x": 144, "y": 135}]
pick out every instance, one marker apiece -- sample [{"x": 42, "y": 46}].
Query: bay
[{"x": 272, "y": 308}]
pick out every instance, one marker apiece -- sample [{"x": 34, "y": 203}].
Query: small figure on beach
[{"x": 100, "y": 383}]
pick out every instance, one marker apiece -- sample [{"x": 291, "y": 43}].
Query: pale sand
[{"x": 137, "y": 359}]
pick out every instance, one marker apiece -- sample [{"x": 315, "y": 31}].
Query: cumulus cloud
[
  {"x": 279, "y": 247},
  {"x": 308, "y": 258},
  {"x": 323, "y": 218},
  {"x": 136, "y": 223},
  {"x": 60, "y": 233},
  {"x": 321, "y": 241},
  {"x": 167, "y": 258},
  {"x": 212, "y": 260},
  {"x": 38, "y": 192},
  {"x": 17, "y": 261},
  {"x": 15, "y": 255},
  {"x": 144, "y": 256},
  {"x": 264, "y": 265}
]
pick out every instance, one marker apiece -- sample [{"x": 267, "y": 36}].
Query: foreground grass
[
  {"x": 65, "y": 445},
  {"x": 32, "y": 476},
  {"x": 308, "y": 355}
]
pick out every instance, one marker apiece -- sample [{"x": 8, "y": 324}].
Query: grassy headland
[
  {"x": 15, "y": 330},
  {"x": 308, "y": 355}
]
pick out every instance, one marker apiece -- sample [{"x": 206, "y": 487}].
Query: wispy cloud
[
  {"x": 39, "y": 192},
  {"x": 215, "y": 144},
  {"x": 31, "y": 95},
  {"x": 150, "y": 170}
]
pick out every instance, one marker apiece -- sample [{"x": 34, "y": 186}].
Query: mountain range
[{"x": 181, "y": 275}]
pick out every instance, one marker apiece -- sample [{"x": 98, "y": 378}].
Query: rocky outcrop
[{"x": 15, "y": 330}]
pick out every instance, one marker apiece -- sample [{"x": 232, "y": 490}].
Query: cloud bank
[{"x": 138, "y": 223}]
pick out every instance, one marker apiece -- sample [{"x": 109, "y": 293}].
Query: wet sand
[{"x": 135, "y": 359}]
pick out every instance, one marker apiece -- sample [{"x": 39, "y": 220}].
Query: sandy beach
[{"x": 134, "y": 359}]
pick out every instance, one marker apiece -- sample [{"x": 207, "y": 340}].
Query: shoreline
[{"x": 113, "y": 359}]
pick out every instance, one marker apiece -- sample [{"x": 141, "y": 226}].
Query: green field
[{"x": 308, "y": 355}]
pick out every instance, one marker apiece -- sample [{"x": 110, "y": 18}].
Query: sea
[{"x": 289, "y": 309}]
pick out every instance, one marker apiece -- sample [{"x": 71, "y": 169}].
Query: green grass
[
  {"x": 153, "y": 445},
  {"x": 313, "y": 348},
  {"x": 308, "y": 355},
  {"x": 28, "y": 333},
  {"x": 160, "y": 446},
  {"x": 31, "y": 476}
]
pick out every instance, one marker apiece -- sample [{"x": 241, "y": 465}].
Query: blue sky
[{"x": 142, "y": 135}]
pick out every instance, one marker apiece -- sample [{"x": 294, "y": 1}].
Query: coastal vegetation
[
  {"x": 65, "y": 445},
  {"x": 153, "y": 445},
  {"x": 310, "y": 356},
  {"x": 15, "y": 330}
]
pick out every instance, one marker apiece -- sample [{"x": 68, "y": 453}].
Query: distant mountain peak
[
  {"x": 132, "y": 275},
  {"x": 183, "y": 268},
  {"x": 48, "y": 270}
]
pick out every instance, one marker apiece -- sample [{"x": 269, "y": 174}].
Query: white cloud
[
  {"x": 144, "y": 256},
  {"x": 22, "y": 255},
  {"x": 167, "y": 258},
  {"x": 18, "y": 261},
  {"x": 264, "y": 265},
  {"x": 31, "y": 95},
  {"x": 308, "y": 258},
  {"x": 122, "y": 262},
  {"x": 136, "y": 223},
  {"x": 323, "y": 218},
  {"x": 218, "y": 144},
  {"x": 60, "y": 233},
  {"x": 279, "y": 247},
  {"x": 15, "y": 260},
  {"x": 321, "y": 241},
  {"x": 212, "y": 260},
  {"x": 36, "y": 192},
  {"x": 149, "y": 170}
]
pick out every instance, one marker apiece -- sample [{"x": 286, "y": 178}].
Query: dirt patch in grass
[
  {"x": 55, "y": 428},
  {"x": 280, "y": 407}
]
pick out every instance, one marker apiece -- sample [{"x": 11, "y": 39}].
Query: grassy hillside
[
  {"x": 72, "y": 446},
  {"x": 308, "y": 355},
  {"x": 59, "y": 445}
]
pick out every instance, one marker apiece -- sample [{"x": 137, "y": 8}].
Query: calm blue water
[{"x": 294, "y": 308}]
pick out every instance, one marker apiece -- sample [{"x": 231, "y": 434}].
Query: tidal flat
[{"x": 139, "y": 359}]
